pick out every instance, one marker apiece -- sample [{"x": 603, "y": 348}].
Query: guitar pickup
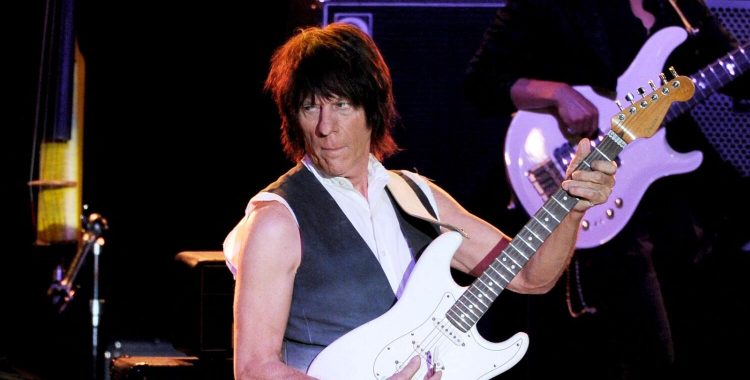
[{"x": 546, "y": 178}]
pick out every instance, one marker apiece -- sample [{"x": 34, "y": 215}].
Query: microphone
[
  {"x": 61, "y": 291},
  {"x": 95, "y": 224}
]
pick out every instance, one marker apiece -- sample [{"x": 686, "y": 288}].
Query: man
[
  {"x": 324, "y": 249},
  {"x": 530, "y": 59}
]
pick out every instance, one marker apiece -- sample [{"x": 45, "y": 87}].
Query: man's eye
[
  {"x": 309, "y": 107},
  {"x": 343, "y": 105}
]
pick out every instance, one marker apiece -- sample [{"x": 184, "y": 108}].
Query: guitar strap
[{"x": 408, "y": 200}]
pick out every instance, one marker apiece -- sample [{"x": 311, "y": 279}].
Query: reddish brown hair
[{"x": 336, "y": 60}]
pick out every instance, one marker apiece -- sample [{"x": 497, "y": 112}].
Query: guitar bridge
[{"x": 545, "y": 178}]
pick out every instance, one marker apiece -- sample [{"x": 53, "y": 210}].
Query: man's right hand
[
  {"x": 578, "y": 116},
  {"x": 411, "y": 368}
]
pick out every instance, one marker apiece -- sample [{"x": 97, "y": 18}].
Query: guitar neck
[
  {"x": 476, "y": 300},
  {"x": 713, "y": 77}
]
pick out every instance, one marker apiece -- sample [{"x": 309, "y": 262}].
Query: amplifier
[
  {"x": 203, "y": 313},
  {"x": 168, "y": 368}
]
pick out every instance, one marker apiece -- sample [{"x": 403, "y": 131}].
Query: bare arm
[
  {"x": 270, "y": 253},
  {"x": 544, "y": 269},
  {"x": 577, "y": 115}
]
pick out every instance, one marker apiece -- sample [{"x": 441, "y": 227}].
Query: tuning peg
[
  {"x": 629, "y": 97},
  {"x": 653, "y": 86},
  {"x": 673, "y": 72},
  {"x": 663, "y": 78},
  {"x": 641, "y": 91},
  {"x": 619, "y": 105}
]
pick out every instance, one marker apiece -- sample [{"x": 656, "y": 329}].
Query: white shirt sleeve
[{"x": 231, "y": 246}]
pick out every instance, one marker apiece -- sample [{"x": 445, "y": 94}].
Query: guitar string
[{"x": 436, "y": 343}]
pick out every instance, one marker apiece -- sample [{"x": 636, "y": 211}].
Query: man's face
[{"x": 336, "y": 136}]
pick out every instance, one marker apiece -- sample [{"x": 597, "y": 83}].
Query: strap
[{"x": 408, "y": 201}]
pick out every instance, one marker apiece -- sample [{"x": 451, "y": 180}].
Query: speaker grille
[{"x": 727, "y": 128}]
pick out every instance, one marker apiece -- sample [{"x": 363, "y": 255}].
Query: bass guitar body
[{"x": 537, "y": 153}]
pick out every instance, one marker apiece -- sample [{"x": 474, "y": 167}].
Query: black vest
[{"x": 339, "y": 284}]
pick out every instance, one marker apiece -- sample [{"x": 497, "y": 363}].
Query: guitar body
[
  {"x": 537, "y": 153},
  {"x": 416, "y": 324}
]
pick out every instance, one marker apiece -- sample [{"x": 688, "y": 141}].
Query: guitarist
[
  {"x": 324, "y": 249},
  {"x": 530, "y": 58}
]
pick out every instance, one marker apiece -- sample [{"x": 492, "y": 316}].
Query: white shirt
[{"x": 373, "y": 217}]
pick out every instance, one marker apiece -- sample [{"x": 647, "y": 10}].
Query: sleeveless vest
[{"x": 339, "y": 284}]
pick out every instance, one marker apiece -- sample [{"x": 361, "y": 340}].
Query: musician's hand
[
  {"x": 411, "y": 368},
  {"x": 578, "y": 116},
  {"x": 593, "y": 187}
]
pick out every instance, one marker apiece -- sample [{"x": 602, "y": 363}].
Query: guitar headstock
[{"x": 643, "y": 117}]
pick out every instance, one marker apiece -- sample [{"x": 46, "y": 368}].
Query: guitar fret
[
  {"x": 488, "y": 284},
  {"x": 526, "y": 256},
  {"x": 526, "y": 227},
  {"x": 518, "y": 257},
  {"x": 542, "y": 224},
  {"x": 498, "y": 268},
  {"x": 540, "y": 230},
  {"x": 505, "y": 257},
  {"x": 457, "y": 320},
  {"x": 732, "y": 69},
  {"x": 508, "y": 269},
  {"x": 526, "y": 243},
  {"x": 479, "y": 292},
  {"x": 560, "y": 203},
  {"x": 478, "y": 298},
  {"x": 713, "y": 71},
  {"x": 504, "y": 271},
  {"x": 464, "y": 312},
  {"x": 726, "y": 74},
  {"x": 742, "y": 50},
  {"x": 734, "y": 66},
  {"x": 567, "y": 201},
  {"x": 468, "y": 310},
  {"x": 722, "y": 72},
  {"x": 499, "y": 274},
  {"x": 550, "y": 214},
  {"x": 490, "y": 287},
  {"x": 554, "y": 208},
  {"x": 702, "y": 84},
  {"x": 603, "y": 155}
]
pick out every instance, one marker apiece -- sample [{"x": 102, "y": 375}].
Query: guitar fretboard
[
  {"x": 478, "y": 297},
  {"x": 713, "y": 77}
]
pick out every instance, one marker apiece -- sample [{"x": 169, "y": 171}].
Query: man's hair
[{"x": 336, "y": 60}]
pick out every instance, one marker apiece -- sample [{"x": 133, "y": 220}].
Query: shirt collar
[{"x": 377, "y": 176}]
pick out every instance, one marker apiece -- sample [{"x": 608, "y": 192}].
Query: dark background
[{"x": 178, "y": 135}]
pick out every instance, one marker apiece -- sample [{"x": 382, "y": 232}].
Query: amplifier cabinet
[{"x": 203, "y": 312}]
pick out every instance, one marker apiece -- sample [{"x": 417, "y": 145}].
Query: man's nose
[{"x": 327, "y": 121}]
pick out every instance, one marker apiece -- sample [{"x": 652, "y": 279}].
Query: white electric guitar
[
  {"x": 436, "y": 318},
  {"x": 537, "y": 153}
]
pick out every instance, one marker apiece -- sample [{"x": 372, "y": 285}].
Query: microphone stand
[{"x": 62, "y": 291}]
